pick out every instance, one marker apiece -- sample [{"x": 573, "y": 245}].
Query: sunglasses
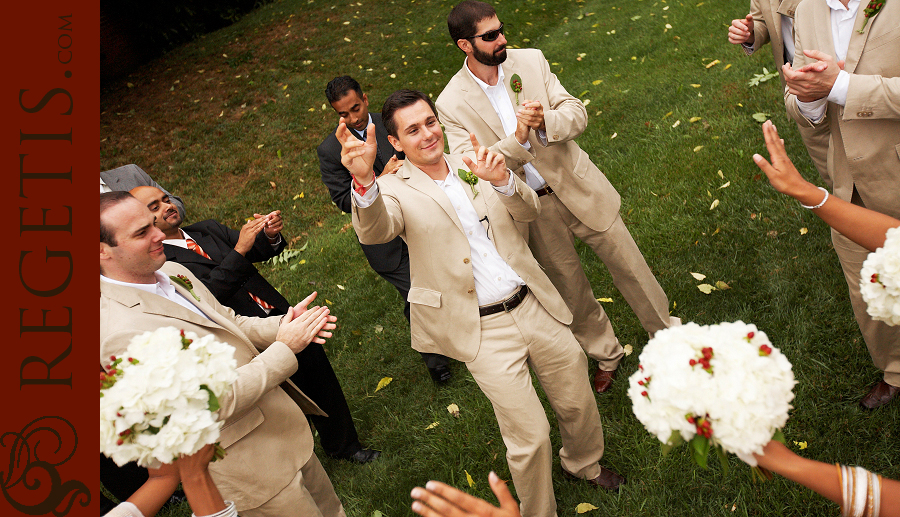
[{"x": 490, "y": 35}]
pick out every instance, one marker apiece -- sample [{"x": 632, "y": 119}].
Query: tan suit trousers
[
  {"x": 510, "y": 343},
  {"x": 551, "y": 239},
  {"x": 816, "y": 139},
  {"x": 309, "y": 494},
  {"x": 882, "y": 340}
]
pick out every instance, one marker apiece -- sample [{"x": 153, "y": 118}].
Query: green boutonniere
[
  {"x": 470, "y": 178},
  {"x": 183, "y": 281},
  {"x": 871, "y": 10},
  {"x": 516, "y": 84}
]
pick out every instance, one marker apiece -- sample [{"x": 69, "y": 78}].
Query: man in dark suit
[
  {"x": 129, "y": 176},
  {"x": 391, "y": 259},
  {"x": 223, "y": 259}
]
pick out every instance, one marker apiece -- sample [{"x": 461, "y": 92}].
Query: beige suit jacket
[
  {"x": 579, "y": 184},
  {"x": 443, "y": 302},
  {"x": 865, "y": 132},
  {"x": 265, "y": 433}
]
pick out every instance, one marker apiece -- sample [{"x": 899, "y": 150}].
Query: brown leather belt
[
  {"x": 543, "y": 191},
  {"x": 506, "y": 305}
]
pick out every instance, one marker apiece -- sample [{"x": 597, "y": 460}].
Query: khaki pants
[
  {"x": 510, "y": 343},
  {"x": 551, "y": 239},
  {"x": 309, "y": 494}
]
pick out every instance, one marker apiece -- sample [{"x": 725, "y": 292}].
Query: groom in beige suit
[
  {"x": 478, "y": 295},
  {"x": 538, "y": 143},
  {"x": 269, "y": 469},
  {"x": 846, "y": 74}
]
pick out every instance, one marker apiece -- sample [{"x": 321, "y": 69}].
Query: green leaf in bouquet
[
  {"x": 723, "y": 458},
  {"x": 674, "y": 441},
  {"x": 779, "y": 437},
  {"x": 213, "y": 399},
  {"x": 700, "y": 448}
]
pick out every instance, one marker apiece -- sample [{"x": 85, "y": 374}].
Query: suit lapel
[
  {"x": 857, "y": 40},
  {"x": 385, "y": 149},
  {"x": 823, "y": 37},
  {"x": 420, "y": 181},
  {"x": 474, "y": 96}
]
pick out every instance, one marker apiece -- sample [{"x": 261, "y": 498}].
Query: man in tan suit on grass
[
  {"x": 773, "y": 20},
  {"x": 478, "y": 295},
  {"x": 269, "y": 469},
  {"x": 846, "y": 74},
  {"x": 538, "y": 144}
]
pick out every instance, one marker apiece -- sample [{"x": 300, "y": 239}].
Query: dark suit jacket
[
  {"x": 229, "y": 275},
  {"x": 382, "y": 257}
]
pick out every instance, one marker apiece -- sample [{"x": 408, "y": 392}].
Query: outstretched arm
[
  {"x": 440, "y": 500},
  {"x": 863, "y": 226}
]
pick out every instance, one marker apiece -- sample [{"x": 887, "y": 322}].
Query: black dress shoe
[
  {"x": 440, "y": 374},
  {"x": 880, "y": 394},
  {"x": 607, "y": 479},
  {"x": 363, "y": 455}
]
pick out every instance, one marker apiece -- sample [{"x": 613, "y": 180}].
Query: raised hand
[
  {"x": 274, "y": 223},
  {"x": 488, "y": 165},
  {"x": 813, "y": 81},
  {"x": 393, "y": 165},
  {"x": 358, "y": 156},
  {"x": 440, "y": 500},
  {"x": 248, "y": 234},
  {"x": 531, "y": 113},
  {"x": 781, "y": 171},
  {"x": 741, "y": 31}
]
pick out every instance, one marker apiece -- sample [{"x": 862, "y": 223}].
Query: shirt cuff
[
  {"x": 366, "y": 200},
  {"x": 229, "y": 511},
  {"x": 814, "y": 110},
  {"x": 748, "y": 48},
  {"x": 277, "y": 240},
  {"x": 510, "y": 187},
  {"x": 839, "y": 89},
  {"x": 542, "y": 136},
  {"x": 526, "y": 145}
]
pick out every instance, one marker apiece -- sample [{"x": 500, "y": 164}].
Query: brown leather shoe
[
  {"x": 607, "y": 479},
  {"x": 603, "y": 380},
  {"x": 880, "y": 394}
]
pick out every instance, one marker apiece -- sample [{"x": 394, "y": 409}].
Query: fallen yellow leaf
[
  {"x": 801, "y": 445},
  {"x": 383, "y": 382},
  {"x": 727, "y": 66},
  {"x": 719, "y": 172},
  {"x": 698, "y": 276},
  {"x": 605, "y": 300},
  {"x": 339, "y": 286},
  {"x": 598, "y": 81},
  {"x": 698, "y": 148},
  {"x": 722, "y": 286},
  {"x": 453, "y": 409},
  {"x": 677, "y": 123},
  {"x": 706, "y": 288},
  {"x": 695, "y": 85},
  {"x": 666, "y": 115},
  {"x": 585, "y": 508},
  {"x": 695, "y": 119},
  {"x": 432, "y": 425},
  {"x": 713, "y": 63},
  {"x": 628, "y": 349},
  {"x": 614, "y": 135},
  {"x": 327, "y": 301},
  {"x": 714, "y": 204},
  {"x": 803, "y": 231},
  {"x": 726, "y": 185},
  {"x": 469, "y": 479}
]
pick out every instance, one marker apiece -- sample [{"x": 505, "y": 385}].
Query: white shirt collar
[{"x": 482, "y": 84}]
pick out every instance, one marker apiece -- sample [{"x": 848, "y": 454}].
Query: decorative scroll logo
[{"x": 32, "y": 484}]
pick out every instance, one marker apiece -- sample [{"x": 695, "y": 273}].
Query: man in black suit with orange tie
[{"x": 390, "y": 260}]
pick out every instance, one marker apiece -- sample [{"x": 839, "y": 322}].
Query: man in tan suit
[
  {"x": 538, "y": 143},
  {"x": 269, "y": 469},
  {"x": 478, "y": 295},
  {"x": 846, "y": 74},
  {"x": 773, "y": 20}
]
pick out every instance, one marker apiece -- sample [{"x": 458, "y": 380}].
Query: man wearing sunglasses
[{"x": 514, "y": 104}]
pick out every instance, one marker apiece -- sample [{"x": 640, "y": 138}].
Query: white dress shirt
[
  {"x": 163, "y": 287},
  {"x": 842, "y": 20},
  {"x": 104, "y": 188},
  {"x": 495, "y": 280},
  {"x": 499, "y": 99}
]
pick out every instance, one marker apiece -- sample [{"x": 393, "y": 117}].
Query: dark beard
[{"x": 489, "y": 59}]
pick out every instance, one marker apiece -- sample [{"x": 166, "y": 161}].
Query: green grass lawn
[{"x": 230, "y": 122}]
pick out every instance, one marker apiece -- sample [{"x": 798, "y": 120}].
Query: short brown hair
[
  {"x": 401, "y": 99},
  {"x": 463, "y": 19},
  {"x": 107, "y": 201}
]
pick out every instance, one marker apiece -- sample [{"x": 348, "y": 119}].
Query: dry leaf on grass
[
  {"x": 698, "y": 276},
  {"x": 706, "y": 288},
  {"x": 383, "y": 382},
  {"x": 453, "y": 409},
  {"x": 585, "y": 508}
]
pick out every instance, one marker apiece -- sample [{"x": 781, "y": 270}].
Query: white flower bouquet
[
  {"x": 880, "y": 280},
  {"x": 719, "y": 386},
  {"x": 159, "y": 401}
]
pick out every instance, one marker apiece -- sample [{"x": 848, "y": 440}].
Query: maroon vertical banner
[{"x": 50, "y": 132}]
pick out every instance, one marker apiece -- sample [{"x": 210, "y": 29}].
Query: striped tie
[{"x": 193, "y": 246}]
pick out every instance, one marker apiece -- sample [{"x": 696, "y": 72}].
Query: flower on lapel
[
  {"x": 871, "y": 10},
  {"x": 185, "y": 282},
  {"x": 516, "y": 84},
  {"x": 470, "y": 178}
]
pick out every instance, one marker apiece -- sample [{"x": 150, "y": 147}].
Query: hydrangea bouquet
[
  {"x": 722, "y": 387},
  {"x": 159, "y": 401},
  {"x": 880, "y": 280}
]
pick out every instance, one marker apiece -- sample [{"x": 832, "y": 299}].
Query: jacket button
[
  {"x": 556, "y": 137},
  {"x": 470, "y": 291},
  {"x": 791, "y": 13},
  {"x": 465, "y": 261}
]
